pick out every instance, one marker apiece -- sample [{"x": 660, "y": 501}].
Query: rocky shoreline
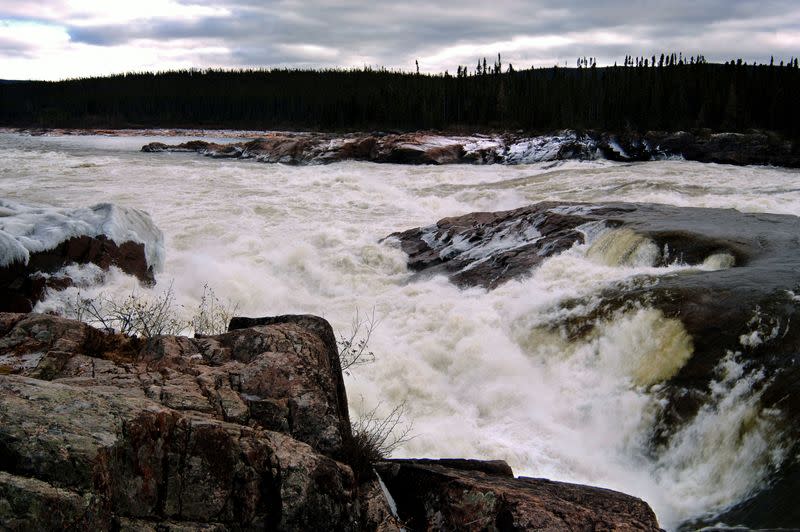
[{"x": 755, "y": 148}]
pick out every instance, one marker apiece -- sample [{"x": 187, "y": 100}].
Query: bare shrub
[
  {"x": 375, "y": 437},
  {"x": 139, "y": 314},
  {"x": 135, "y": 315},
  {"x": 354, "y": 348},
  {"x": 212, "y": 315}
]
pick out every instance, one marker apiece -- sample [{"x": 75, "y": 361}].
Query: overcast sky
[{"x": 55, "y": 39}]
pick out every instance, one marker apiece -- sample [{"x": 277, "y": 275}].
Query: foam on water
[
  {"x": 482, "y": 373},
  {"x": 624, "y": 247}
]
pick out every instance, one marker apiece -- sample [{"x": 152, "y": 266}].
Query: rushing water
[{"x": 479, "y": 376}]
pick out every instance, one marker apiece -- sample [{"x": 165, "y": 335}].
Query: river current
[{"x": 477, "y": 375}]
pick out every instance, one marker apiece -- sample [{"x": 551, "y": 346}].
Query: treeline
[{"x": 665, "y": 93}]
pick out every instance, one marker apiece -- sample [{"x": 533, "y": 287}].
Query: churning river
[{"x": 476, "y": 378}]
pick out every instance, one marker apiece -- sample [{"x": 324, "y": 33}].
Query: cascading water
[{"x": 484, "y": 374}]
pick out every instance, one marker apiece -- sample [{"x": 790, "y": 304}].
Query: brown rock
[
  {"x": 23, "y": 285},
  {"x": 162, "y": 431},
  {"x": 434, "y": 495}
]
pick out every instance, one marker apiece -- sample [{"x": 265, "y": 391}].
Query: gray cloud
[{"x": 330, "y": 33}]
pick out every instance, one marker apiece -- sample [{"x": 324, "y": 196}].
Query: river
[{"x": 475, "y": 380}]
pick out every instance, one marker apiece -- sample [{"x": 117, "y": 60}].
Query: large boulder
[
  {"x": 238, "y": 431},
  {"x": 37, "y": 243},
  {"x": 440, "y": 495}
]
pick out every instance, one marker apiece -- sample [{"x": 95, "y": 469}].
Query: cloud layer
[{"x": 55, "y": 39}]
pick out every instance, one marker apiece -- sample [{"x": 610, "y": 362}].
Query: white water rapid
[{"x": 480, "y": 374}]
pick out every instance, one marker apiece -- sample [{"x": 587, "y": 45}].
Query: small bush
[
  {"x": 135, "y": 315},
  {"x": 212, "y": 315},
  {"x": 354, "y": 348},
  {"x": 374, "y": 438},
  {"x": 147, "y": 316}
]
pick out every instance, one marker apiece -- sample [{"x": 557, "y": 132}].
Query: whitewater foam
[{"x": 483, "y": 374}]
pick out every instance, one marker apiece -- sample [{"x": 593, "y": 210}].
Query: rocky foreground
[
  {"x": 435, "y": 148},
  {"x": 247, "y": 430},
  {"x": 734, "y": 303}
]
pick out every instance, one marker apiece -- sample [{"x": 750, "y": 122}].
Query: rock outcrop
[
  {"x": 735, "y": 298},
  {"x": 236, "y": 431},
  {"x": 23, "y": 285},
  {"x": 435, "y": 148},
  {"x": 472, "y": 495},
  {"x": 38, "y": 242},
  {"x": 246, "y": 430}
]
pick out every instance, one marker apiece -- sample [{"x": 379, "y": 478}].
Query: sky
[{"x": 58, "y": 39}]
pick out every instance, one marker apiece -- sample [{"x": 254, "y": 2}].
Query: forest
[{"x": 666, "y": 93}]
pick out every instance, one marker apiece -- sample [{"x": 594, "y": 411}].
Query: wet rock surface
[
  {"x": 723, "y": 148},
  {"x": 739, "y": 302},
  {"x": 470, "y": 495},
  {"x": 245, "y": 430},
  {"x": 240, "y": 430},
  {"x": 487, "y": 249},
  {"x": 23, "y": 285},
  {"x": 436, "y": 148}
]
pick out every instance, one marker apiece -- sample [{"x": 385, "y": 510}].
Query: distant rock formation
[
  {"x": 245, "y": 430},
  {"x": 435, "y": 148},
  {"x": 38, "y": 242}
]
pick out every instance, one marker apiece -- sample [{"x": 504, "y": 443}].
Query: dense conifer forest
[{"x": 655, "y": 93}]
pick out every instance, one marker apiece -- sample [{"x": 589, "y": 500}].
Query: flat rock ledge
[
  {"x": 246, "y": 430},
  {"x": 454, "y": 494}
]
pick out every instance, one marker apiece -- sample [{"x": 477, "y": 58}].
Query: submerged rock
[
  {"x": 435, "y": 148},
  {"x": 246, "y": 430}
]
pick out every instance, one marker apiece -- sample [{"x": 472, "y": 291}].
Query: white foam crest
[
  {"x": 732, "y": 444},
  {"x": 26, "y": 229}
]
